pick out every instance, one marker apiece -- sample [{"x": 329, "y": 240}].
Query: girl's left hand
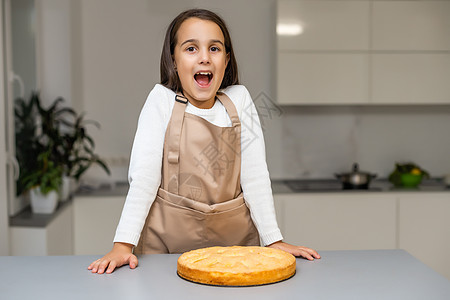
[{"x": 305, "y": 252}]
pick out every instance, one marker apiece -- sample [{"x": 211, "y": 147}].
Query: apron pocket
[
  {"x": 233, "y": 227},
  {"x": 177, "y": 226},
  {"x": 200, "y": 207}
]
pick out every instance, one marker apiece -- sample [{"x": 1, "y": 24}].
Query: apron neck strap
[
  {"x": 174, "y": 136},
  {"x": 231, "y": 109},
  {"x": 175, "y": 128}
]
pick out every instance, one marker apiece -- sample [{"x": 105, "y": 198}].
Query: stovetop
[{"x": 321, "y": 185}]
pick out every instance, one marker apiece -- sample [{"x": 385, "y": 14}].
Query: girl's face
[{"x": 200, "y": 59}]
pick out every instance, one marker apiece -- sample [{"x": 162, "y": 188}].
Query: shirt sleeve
[
  {"x": 255, "y": 180},
  {"x": 144, "y": 173}
]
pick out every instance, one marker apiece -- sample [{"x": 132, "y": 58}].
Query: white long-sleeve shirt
[{"x": 146, "y": 161}]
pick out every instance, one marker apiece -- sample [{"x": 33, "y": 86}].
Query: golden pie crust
[{"x": 236, "y": 265}]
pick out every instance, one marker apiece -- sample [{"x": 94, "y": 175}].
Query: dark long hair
[{"x": 169, "y": 76}]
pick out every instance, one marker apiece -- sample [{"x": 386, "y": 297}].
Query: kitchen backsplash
[{"x": 318, "y": 141}]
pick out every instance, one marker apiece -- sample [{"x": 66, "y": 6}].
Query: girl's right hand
[{"x": 120, "y": 255}]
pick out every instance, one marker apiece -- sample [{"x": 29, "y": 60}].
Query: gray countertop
[
  {"x": 281, "y": 186},
  {"x": 28, "y": 219},
  {"x": 331, "y": 185},
  {"x": 116, "y": 189},
  {"x": 368, "y": 274}
]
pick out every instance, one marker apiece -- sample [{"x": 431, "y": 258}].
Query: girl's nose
[{"x": 204, "y": 57}]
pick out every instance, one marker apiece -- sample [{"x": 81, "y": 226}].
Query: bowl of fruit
[{"x": 407, "y": 175}]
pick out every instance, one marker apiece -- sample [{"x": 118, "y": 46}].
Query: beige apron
[{"x": 200, "y": 201}]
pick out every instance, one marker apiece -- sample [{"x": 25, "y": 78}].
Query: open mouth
[{"x": 203, "y": 79}]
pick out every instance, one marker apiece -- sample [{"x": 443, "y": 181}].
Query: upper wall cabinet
[
  {"x": 322, "y": 78},
  {"x": 363, "y": 52},
  {"x": 411, "y": 25},
  {"x": 323, "y": 25}
]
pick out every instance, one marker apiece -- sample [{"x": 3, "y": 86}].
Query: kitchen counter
[
  {"x": 26, "y": 218},
  {"x": 288, "y": 186},
  {"x": 365, "y": 274},
  {"x": 114, "y": 189},
  {"x": 335, "y": 186},
  {"x": 281, "y": 186}
]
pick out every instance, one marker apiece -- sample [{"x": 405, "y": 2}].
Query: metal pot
[{"x": 356, "y": 179}]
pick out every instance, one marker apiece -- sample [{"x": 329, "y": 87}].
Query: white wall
[
  {"x": 115, "y": 63},
  {"x": 54, "y": 50}
]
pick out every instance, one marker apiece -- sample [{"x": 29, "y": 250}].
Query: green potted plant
[
  {"x": 73, "y": 146},
  {"x": 51, "y": 122},
  {"x": 44, "y": 183},
  {"x": 57, "y": 136},
  {"x": 40, "y": 173},
  {"x": 28, "y": 146}
]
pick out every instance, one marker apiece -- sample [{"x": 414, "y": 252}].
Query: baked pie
[{"x": 236, "y": 265}]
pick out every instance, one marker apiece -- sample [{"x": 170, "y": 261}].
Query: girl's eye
[
  {"x": 215, "y": 49},
  {"x": 190, "y": 49}
]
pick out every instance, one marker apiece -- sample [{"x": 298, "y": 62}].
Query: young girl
[{"x": 191, "y": 186}]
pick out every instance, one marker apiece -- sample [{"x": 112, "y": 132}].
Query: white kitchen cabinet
[
  {"x": 424, "y": 228},
  {"x": 326, "y": 25},
  {"x": 410, "y": 78},
  {"x": 53, "y": 239},
  {"x": 410, "y": 52},
  {"x": 411, "y": 25},
  {"x": 95, "y": 219},
  {"x": 278, "y": 201},
  {"x": 348, "y": 221},
  {"x": 323, "y": 78},
  {"x": 418, "y": 222},
  {"x": 364, "y": 52},
  {"x": 320, "y": 65}
]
